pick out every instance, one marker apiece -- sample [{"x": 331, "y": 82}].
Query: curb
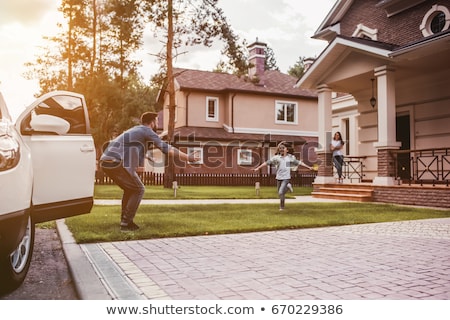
[{"x": 87, "y": 283}]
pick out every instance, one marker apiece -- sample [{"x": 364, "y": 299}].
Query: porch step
[{"x": 344, "y": 192}]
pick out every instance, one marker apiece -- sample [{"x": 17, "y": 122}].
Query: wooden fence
[{"x": 216, "y": 179}]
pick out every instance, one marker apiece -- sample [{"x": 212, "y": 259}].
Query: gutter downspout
[
  {"x": 187, "y": 108},
  {"x": 232, "y": 112}
]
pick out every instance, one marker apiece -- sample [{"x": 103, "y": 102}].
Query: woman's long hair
[{"x": 340, "y": 137}]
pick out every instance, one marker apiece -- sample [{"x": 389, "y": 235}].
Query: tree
[
  {"x": 123, "y": 36},
  {"x": 270, "y": 62},
  {"x": 182, "y": 24},
  {"x": 188, "y": 23},
  {"x": 298, "y": 69},
  {"x": 59, "y": 65},
  {"x": 92, "y": 55}
]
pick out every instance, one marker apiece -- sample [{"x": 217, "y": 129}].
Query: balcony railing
[{"x": 423, "y": 166}]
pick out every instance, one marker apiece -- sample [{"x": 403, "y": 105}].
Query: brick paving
[{"x": 399, "y": 260}]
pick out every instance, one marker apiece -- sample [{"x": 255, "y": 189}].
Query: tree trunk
[{"x": 171, "y": 91}]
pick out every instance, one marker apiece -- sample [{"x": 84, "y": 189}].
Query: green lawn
[
  {"x": 157, "y": 221},
  {"x": 199, "y": 192}
]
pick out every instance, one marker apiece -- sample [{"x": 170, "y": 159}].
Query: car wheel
[{"x": 14, "y": 266}]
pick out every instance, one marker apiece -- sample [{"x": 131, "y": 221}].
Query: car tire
[{"x": 14, "y": 266}]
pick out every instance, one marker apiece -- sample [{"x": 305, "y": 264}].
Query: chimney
[{"x": 257, "y": 58}]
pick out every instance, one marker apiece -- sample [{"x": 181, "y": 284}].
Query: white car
[{"x": 47, "y": 172}]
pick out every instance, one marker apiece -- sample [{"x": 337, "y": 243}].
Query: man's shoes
[
  {"x": 289, "y": 186},
  {"x": 129, "y": 227}
]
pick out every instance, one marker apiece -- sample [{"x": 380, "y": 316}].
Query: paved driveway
[{"x": 400, "y": 260}]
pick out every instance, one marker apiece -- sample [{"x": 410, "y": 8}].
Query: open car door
[{"x": 57, "y": 130}]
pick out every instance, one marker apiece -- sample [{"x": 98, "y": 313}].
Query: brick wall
[
  {"x": 386, "y": 163},
  {"x": 400, "y": 29},
  {"x": 325, "y": 161},
  {"x": 426, "y": 196}
]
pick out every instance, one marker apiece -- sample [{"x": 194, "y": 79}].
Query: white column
[
  {"x": 324, "y": 117},
  {"x": 386, "y": 106},
  {"x": 324, "y": 127}
]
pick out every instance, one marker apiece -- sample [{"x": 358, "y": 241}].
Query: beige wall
[
  {"x": 251, "y": 114},
  {"x": 431, "y": 123},
  {"x": 258, "y": 113},
  {"x": 180, "y": 113}
]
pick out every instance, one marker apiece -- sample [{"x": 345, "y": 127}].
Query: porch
[{"x": 422, "y": 178}]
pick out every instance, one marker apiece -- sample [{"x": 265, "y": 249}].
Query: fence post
[
  {"x": 257, "y": 188},
  {"x": 175, "y": 187}
]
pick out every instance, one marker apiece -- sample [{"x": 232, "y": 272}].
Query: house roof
[
  {"x": 337, "y": 50},
  {"x": 274, "y": 83},
  {"x": 430, "y": 52}
]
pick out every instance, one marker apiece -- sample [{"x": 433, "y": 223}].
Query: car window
[
  {"x": 66, "y": 107},
  {"x": 4, "y": 114}
]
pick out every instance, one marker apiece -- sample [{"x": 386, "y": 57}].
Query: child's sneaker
[{"x": 289, "y": 186}]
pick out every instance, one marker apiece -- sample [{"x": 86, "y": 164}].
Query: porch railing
[
  {"x": 423, "y": 166},
  {"x": 353, "y": 169}
]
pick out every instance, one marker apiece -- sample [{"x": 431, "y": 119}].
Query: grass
[
  {"x": 199, "y": 192},
  {"x": 158, "y": 221},
  {"x": 46, "y": 225}
]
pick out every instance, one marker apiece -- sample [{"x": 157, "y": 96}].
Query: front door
[{"x": 403, "y": 135}]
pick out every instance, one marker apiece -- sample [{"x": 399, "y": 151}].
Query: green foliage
[
  {"x": 199, "y": 192},
  {"x": 298, "y": 69},
  {"x": 93, "y": 55},
  {"x": 197, "y": 22},
  {"x": 239, "y": 69},
  {"x": 270, "y": 61},
  {"x": 157, "y": 221}
]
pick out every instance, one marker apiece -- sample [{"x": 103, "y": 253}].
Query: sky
[{"x": 285, "y": 25}]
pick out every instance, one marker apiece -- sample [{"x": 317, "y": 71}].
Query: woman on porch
[{"x": 338, "y": 157}]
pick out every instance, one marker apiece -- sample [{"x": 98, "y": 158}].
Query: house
[
  {"x": 234, "y": 123},
  {"x": 391, "y": 58}
]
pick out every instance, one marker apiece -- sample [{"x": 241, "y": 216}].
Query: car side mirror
[{"x": 49, "y": 123}]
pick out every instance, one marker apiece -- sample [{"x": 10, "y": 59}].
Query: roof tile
[{"x": 275, "y": 83}]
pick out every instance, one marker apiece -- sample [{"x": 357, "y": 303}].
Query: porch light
[{"x": 373, "y": 100}]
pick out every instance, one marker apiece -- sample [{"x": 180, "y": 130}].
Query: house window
[
  {"x": 436, "y": 20},
  {"x": 286, "y": 112},
  {"x": 244, "y": 157},
  {"x": 198, "y": 152},
  {"x": 212, "y": 109}
]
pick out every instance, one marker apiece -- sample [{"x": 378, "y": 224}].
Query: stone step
[
  {"x": 343, "y": 196},
  {"x": 346, "y": 190}
]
